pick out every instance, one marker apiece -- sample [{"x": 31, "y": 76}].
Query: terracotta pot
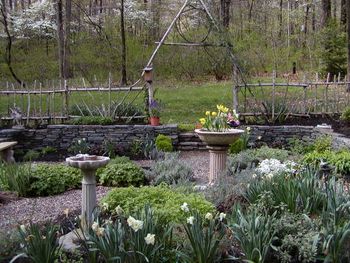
[
  {"x": 154, "y": 121},
  {"x": 219, "y": 138}
]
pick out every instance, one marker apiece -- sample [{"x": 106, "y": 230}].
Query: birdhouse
[{"x": 148, "y": 76}]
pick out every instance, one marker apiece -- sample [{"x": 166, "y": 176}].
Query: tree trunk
[
  {"x": 326, "y": 12},
  {"x": 348, "y": 33},
  {"x": 67, "y": 66},
  {"x": 123, "y": 37},
  {"x": 343, "y": 12},
  {"x": 8, "y": 54},
  {"x": 281, "y": 18},
  {"x": 60, "y": 37},
  {"x": 225, "y": 12}
]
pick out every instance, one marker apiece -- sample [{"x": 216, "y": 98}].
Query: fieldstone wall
[
  {"x": 123, "y": 136},
  {"x": 61, "y": 137}
]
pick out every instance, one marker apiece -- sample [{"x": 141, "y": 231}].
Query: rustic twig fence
[
  {"x": 51, "y": 101},
  {"x": 309, "y": 98}
]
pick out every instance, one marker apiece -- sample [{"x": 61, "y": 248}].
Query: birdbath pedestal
[
  {"x": 88, "y": 164},
  {"x": 218, "y": 144}
]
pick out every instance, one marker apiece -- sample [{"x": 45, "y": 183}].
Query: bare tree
[
  {"x": 66, "y": 66},
  {"x": 60, "y": 37},
  {"x": 326, "y": 12},
  {"x": 225, "y": 12},
  {"x": 348, "y": 34},
  {"x": 123, "y": 38},
  {"x": 343, "y": 12}
]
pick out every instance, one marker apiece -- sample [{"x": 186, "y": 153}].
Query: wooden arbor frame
[{"x": 225, "y": 44}]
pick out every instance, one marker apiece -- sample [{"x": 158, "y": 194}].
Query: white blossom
[
  {"x": 150, "y": 239},
  {"x": 209, "y": 216},
  {"x": 119, "y": 210},
  {"x": 190, "y": 220},
  {"x": 94, "y": 226},
  {"x": 222, "y": 216},
  {"x": 184, "y": 207},
  {"x": 136, "y": 225}
]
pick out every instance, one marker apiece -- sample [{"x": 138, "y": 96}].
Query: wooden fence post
[
  {"x": 66, "y": 98},
  {"x": 273, "y": 93}
]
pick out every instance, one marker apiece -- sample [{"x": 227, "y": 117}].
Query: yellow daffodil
[
  {"x": 202, "y": 121},
  {"x": 214, "y": 114},
  {"x": 207, "y": 113}
]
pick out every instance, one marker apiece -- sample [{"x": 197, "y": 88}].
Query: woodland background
[{"x": 43, "y": 39}]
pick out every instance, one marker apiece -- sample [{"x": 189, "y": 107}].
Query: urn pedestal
[{"x": 218, "y": 143}]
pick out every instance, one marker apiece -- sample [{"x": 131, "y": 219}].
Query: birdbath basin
[
  {"x": 218, "y": 143},
  {"x": 88, "y": 164}
]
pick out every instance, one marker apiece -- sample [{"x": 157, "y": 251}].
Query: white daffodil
[
  {"x": 190, "y": 220},
  {"x": 23, "y": 228},
  {"x": 94, "y": 226},
  {"x": 150, "y": 239},
  {"x": 209, "y": 216},
  {"x": 136, "y": 225},
  {"x": 222, "y": 216},
  {"x": 119, "y": 210},
  {"x": 105, "y": 206},
  {"x": 185, "y": 208},
  {"x": 100, "y": 231}
]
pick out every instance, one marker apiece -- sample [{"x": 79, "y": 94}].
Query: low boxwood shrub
[
  {"x": 171, "y": 170},
  {"x": 163, "y": 143},
  {"x": 51, "y": 179},
  {"x": 122, "y": 175},
  {"x": 165, "y": 201}
]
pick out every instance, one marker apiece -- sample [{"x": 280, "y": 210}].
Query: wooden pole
[
  {"x": 235, "y": 98},
  {"x": 66, "y": 99},
  {"x": 41, "y": 102},
  {"x": 109, "y": 94},
  {"x": 273, "y": 93}
]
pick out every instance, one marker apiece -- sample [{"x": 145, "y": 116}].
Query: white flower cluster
[
  {"x": 270, "y": 167},
  {"x": 135, "y": 224}
]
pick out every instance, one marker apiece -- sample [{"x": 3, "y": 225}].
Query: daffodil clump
[{"x": 220, "y": 120}]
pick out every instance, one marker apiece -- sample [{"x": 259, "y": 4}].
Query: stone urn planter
[
  {"x": 218, "y": 143},
  {"x": 88, "y": 164}
]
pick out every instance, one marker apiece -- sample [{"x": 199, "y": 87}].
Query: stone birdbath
[
  {"x": 218, "y": 144},
  {"x": 88, "y": 164}
]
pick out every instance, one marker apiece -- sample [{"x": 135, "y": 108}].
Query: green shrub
[
  {"x": 122, "y": 174},
  {"x": 92, "y": 120},
  {"x": 322, "y": 144},
  {"x": 299, "y": 146},
  {"x": 47, "y": 150},
  {"x": 185, "y": 127},
  {"x": 339, "y": 160},
  {"x": 236, "y": 147},
  {"x": 163, "y": 143},
  {"x": 164, "y": 201},
  {"x": 79, "y": 146},
  {"x": 31, "y": 155},
  {"x": 171, "y": 170},
  {"x": 51, "y": 179},
  {"x": 345, "y": 116},
  {"x": 119, "y": 160}
]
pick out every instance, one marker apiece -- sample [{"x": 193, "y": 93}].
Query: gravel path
[{"x": 41, "y": 209}]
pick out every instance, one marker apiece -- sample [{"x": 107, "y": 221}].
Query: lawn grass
[{"x": 183, "y": 102}]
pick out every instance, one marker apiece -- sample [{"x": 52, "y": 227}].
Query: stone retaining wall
[
  {"x": 123, "y": 136},
  {"x": 62, "y": 136}
]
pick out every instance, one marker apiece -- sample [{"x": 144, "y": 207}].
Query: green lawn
[{"x": 183, "y": 102}]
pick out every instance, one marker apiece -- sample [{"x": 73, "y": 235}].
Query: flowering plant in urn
[{"x": 221, "y": 120}]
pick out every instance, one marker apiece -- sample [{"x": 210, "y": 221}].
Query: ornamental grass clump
[{"x": 221, "y": 120}]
